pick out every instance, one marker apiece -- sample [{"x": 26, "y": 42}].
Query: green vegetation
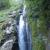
[
  {"x": 4, "y": 4},
  {"x": 38, "y": 44},
  {"x": 37, "y": 12}
]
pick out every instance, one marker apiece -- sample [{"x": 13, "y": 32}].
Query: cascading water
[
  {"x": 22, "y": 45},
  {"x": 29, "y": 36},
  {"x": 23, "y": 35}
]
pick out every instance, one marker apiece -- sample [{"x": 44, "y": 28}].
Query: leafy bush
[
  {"x": 4, "y": 4},
  {"x": 35, "y": 8},
  {"x": 38, "y": 44}
]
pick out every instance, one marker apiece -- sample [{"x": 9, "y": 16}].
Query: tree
[
  {"x": 4, "y": 4},
  {"x": 36, "y": 12}
]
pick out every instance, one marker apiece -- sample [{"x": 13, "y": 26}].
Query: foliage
[
  {"x": 4, "y": 4},
  {"x": 38, "y": 44},
  {"x": 37, "y": 14},
  {"x": 35, "y": 6},
  {"x": 37, "y": 20}
]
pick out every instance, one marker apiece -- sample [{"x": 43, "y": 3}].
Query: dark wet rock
[
  {"x": 2, "y": 42},
  {"x": 20, "y": 11},
  {"x": 12, "y": 14},
  {"x": 5, "y": 25},
  {"x": 15, "y": 46}
]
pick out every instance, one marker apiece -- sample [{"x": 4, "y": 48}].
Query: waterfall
[
  {"x": 29, "y": 36},
  {"x": 23, "y": 32},
  {"x": 22, "y": 45}
]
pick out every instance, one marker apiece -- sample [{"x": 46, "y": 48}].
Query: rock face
[
  {"x": 10, "y": 33},
  {"x": 12, "y": 14},
  {"x": 7, "y": 45}
]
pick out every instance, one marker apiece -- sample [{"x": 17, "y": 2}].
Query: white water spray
[{"x": 22, "y": 45}]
